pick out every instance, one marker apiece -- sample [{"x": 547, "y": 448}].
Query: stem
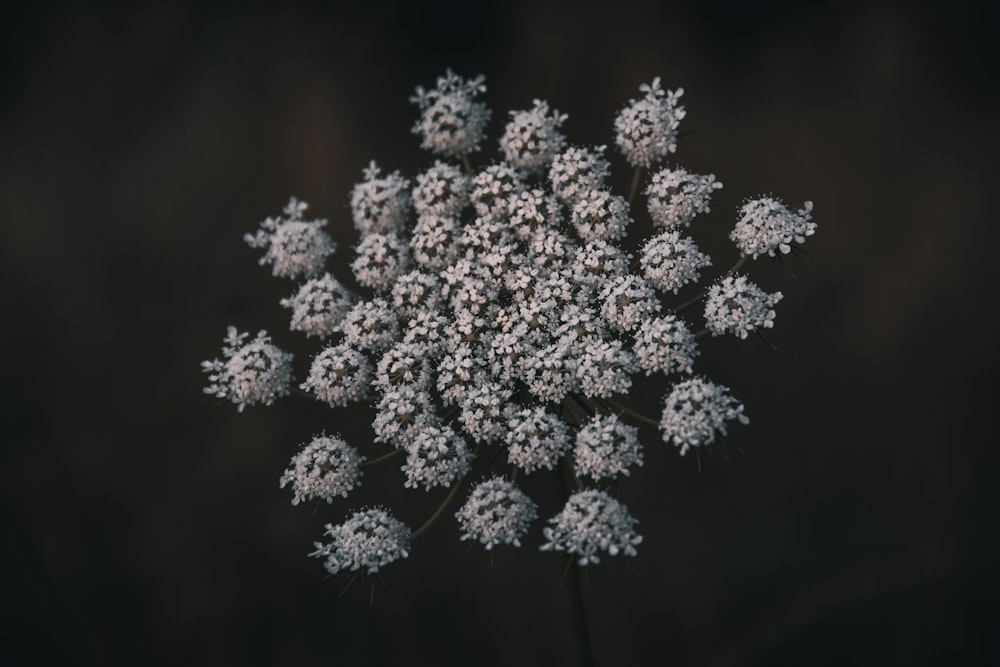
[
  {"x": 443, "y": 506},
  {"x": 634, "y": 189},
  {"x": 467, "y": 164},
  {"x": 702, "y": 333},
  {"x": 572, "y": 576},
  {"x": 632, "y": 413},
  {"x": 391, "y": 455},
  {"x": 701, "y": 295}
]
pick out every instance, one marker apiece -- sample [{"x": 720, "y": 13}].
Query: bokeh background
[{"x": 853, "y": 522}]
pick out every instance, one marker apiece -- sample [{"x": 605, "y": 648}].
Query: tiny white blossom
[
  {"x": 577, "y": 171},
  {"x": 767, "y": 226},
  {"x": 696, "y": 410},
  {"x": 442, "y": 190},
  {"x": 381, "y": 260},
  {"x": 735, "y": 305},
  {"x": 403, "y": 363},
  {"x": 326, "y": 467},
  {"x": 368, "y": 540},
  {"x": 627, "y": 301},
  {"x": 676, "y": 196},
  {"x": 380, "y": 205},
  {"x": 435, "y": 456},
  {"x": 401, "y": 412},
  {"x": 591, "y": 522},
  {"x": 414, "y": 292},
  {"x": 451, "y": 121},
  {"x": 496, "y": 513},
  {"x": 294, "y": 247},
  {"x": 432, "y": 242},
  {"x": 251, "y": 373},
  {"x": 492, "y": 189},
  {"x": 370, "y": 325},
  {"x": 598, "y": 214},
  {"x": 669, "y": 261},
  {"x": 319, "y": 306},
  {"x": 535, "y": 438},
  {"x": 603, "y": 367},
  {"x": 482, "y": 410},
  {"x": 646, "y": 130},
  {"x": 339, "y": 375},
  {"x": 606, "y": 447},
  {"x": 532, "y": 138},
  {"x": 665, "y": 345}
]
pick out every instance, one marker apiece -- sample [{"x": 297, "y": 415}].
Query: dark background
[{"x": 142, "y": 520}]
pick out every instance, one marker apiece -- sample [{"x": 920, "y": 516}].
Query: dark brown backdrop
[{"x": 142, "y": 521}]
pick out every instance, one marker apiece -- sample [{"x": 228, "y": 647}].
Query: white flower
[
  {"x": 326, "y": 467},
  {"x": 451, "y": 120},
  {"x": 604, "y": 367},
  {"x": 442, "y": 190},
  {"x": 606, "y": 447},
  {"x": 380, "y": 205},
  {"x": 403, "y": 410},
  {"x": 532, "y": 138},
  {"x": 670, "y": 261},
  {"x": 492, "y": 189},
  {"x": 414, "y": 292},
  {"x": 736, "y": 305},
  {"x": 319, "y": 306},
  {"x": 665, "y": 345},
  {"x": 370, "y": 325},
  {"x": 435, "y": 456},
  {"x": 481, "y": 411},
  {"x": 339, "y": 375},
  {"x": 252, "y": 373},
  {"x": 369, "y": 540},
  {"x": 381, "y": 260},
  {"x": 577, "y": 171},
  {"x": 403, "y": 363},
  {"x": 591, "y": 522},
  {"x": 295, "y": 247},
  {"x": 676, "y": 196},
  {"x": 766, "y": 226},
  {"x": 496, "y": 513},
  {"x": 535, "y": 438},
  {"x": 432, "y": 243},
  {"x": 695, "y": 411},
  {"x": 626, "y": 301},
  {"x": 598, "y": 214},
  {"x": 646, "y": 130}
]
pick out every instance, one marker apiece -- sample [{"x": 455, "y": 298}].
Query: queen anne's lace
[
  {"x": 368, "y": 540},
  {"x": 736, "y": 305},
  {"x": 767, "y": 226},
  {"x": 496, "y": 307},
  {"x": 326, "y": 467},
  {"x": 592, "y": 522},
  {"x": 251, "y": 373},
  {"x": 696, "y": 411},
  {"x": 496, "y": 513}
]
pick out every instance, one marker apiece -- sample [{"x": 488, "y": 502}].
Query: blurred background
[{"x": 851, "y": 523}]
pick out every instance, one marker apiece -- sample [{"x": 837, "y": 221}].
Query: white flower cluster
[
  {"x": 766, "y": 225},
  {"x": 369, "y": 540},
  {"x": 498, "y": 312},
  {"x": 591, "y": 522},
  {"x": 496, "y": 513},
  {"x": 325, "y": 468},
  {"x": 251, "y": 373}
]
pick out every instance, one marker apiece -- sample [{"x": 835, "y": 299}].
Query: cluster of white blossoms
[{"x": 497, "y": 321}]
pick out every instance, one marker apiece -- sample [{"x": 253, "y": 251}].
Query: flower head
[
  {"x": 294, "y": 247},
  {"x": 251, "y": 373},
  {"x": 532, "y": 138},
  {"x": 767, "y": 226},
  {"x": 697, "y": 410},
  {"x": 736, "y": 305},
  {"x": 646, "y": 130},
  {"x": 326, "y": 467},
  {"x": 496, "y": 513},
  {"x": 591, "y": 522},
  {"x": 368, "y": 540},
  {"x": 451, "y": 120}
]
